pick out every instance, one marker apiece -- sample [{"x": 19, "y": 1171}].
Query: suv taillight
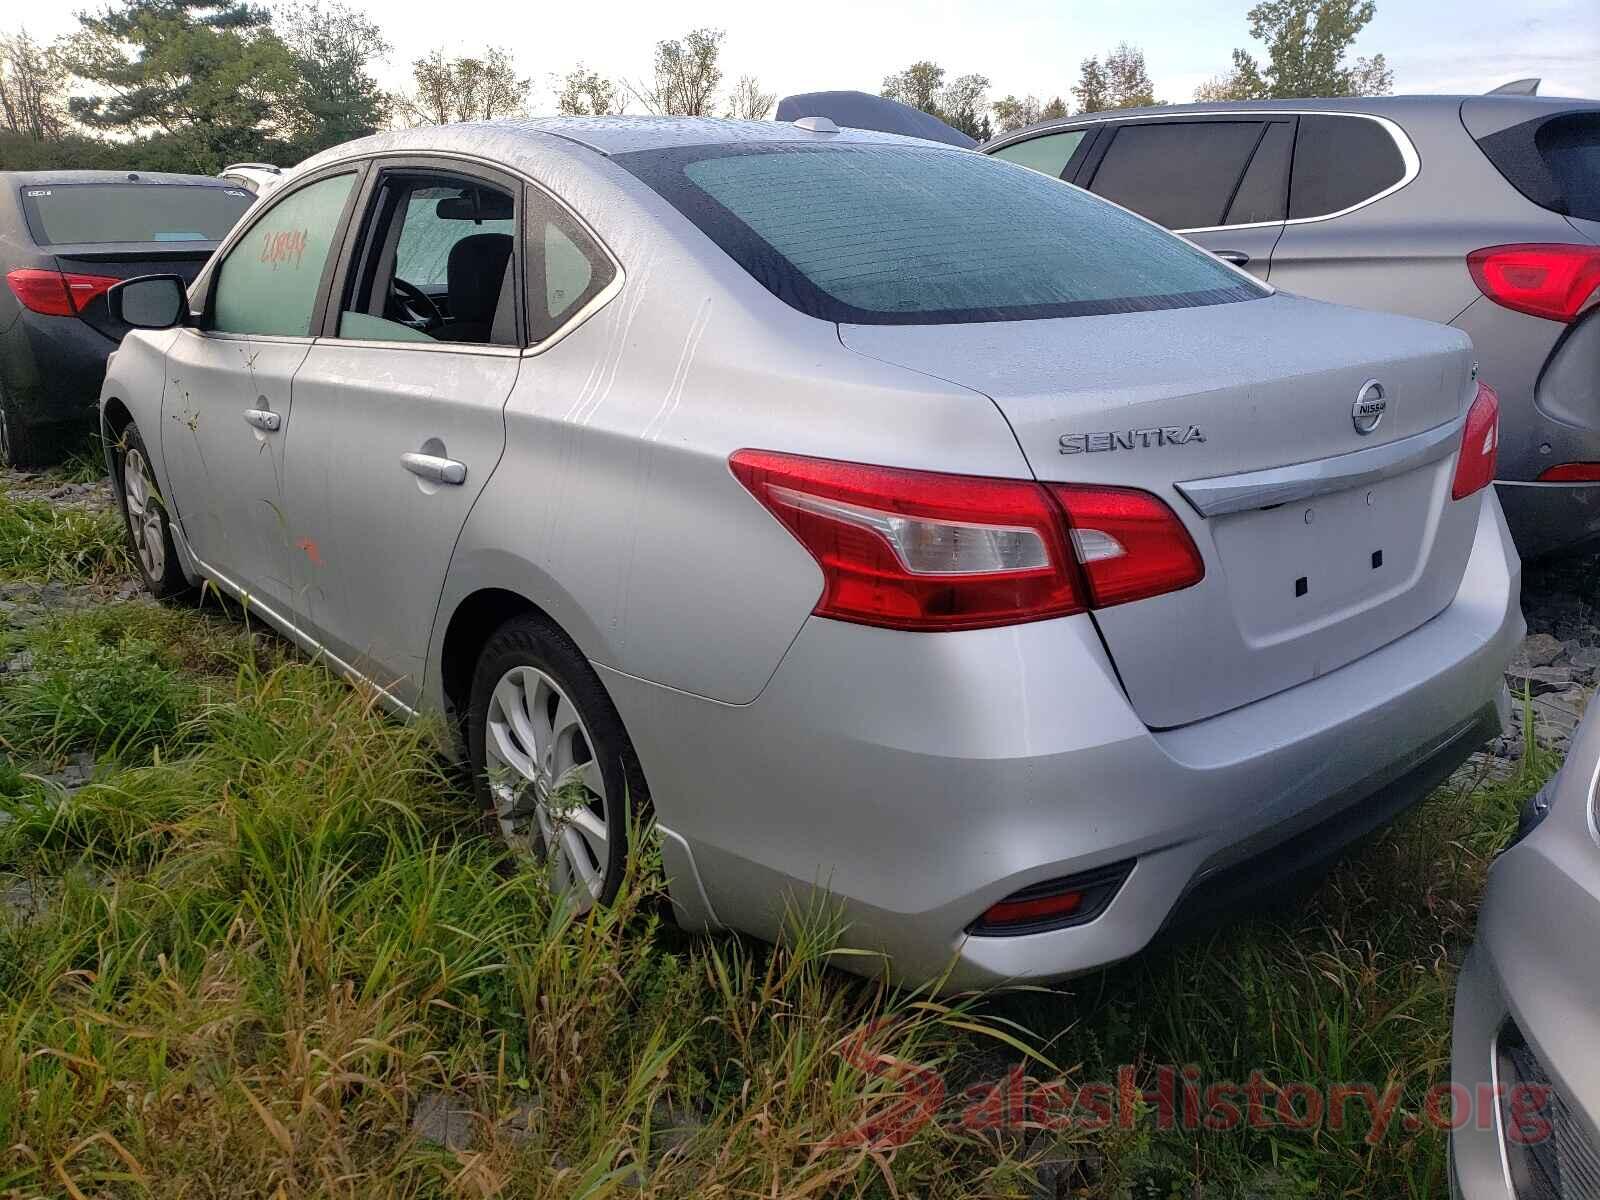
[
  {"x": 1552, "y": 280},
  {"x": 921, "y": 550},
  {"x": 1480, "y": 444},
  {"x": 56, "y": 293}
]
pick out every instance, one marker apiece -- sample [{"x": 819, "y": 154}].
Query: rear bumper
[
  {"x": 52, "y": 369},
  {"x": 922, "y": 778},
  {"x": 1545, "y": 518},
  {"x": 1534, "y": 972}
]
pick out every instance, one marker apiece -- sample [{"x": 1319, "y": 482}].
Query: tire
[
  {"x": 578, "y": 787},
  {"x": 144, "y": 516}
]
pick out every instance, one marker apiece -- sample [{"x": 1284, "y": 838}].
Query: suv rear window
[
  {"x": 90, "y": 213},
  {"x": 1553, "y": 161},
  {"x": 906, "y": 235}
]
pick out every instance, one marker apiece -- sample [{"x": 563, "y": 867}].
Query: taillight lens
[
  {"x": 1550, "y": 280},
  {"x": 56, "y": 293},
  {"x": 1055, "y": 903},
  {"x": 1480, "y": 445},
  {"x": 920, "y": 550},
  {"x": 1130, "y": 544},
  {"x": 1585, "y": 472}
]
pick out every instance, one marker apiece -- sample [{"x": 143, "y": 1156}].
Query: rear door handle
[
  {"x": 1237, "y": 257},
  {"x": 263, "y": 419},
  {"x": 434, "y": 468}
]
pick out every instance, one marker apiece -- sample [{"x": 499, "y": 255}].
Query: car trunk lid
[{"x": 1320, "y": 543}]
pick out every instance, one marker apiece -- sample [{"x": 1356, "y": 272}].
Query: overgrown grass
[
  {"x": 271, "y": 926},
  {"x": 74, "y": 545}
]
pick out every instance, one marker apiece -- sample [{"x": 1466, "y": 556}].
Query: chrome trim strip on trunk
[{"x": 1223, "y": 494}]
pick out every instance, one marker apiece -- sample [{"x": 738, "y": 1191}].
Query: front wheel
[
  {"x": 551, "y": 762},
  {"x": 145, "y": 516}
]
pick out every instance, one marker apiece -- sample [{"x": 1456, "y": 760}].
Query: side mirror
[{"x": 150, "y": 301}]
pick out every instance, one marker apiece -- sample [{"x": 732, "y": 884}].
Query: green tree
[
  {"x": 1057, "y": 107},
  {"x": 585, "y": 93},
  {"x": 1306, "y": 43},
  {"x": 1011, "y": 113},
  {"x": 1093, "y": 89},
  {"x": 918, "y": 85},
  {"x": 687, "y": 72},
  {"x": 199, "y": 81},
  {"x": 474, "y": 87},
  {"x": 747, "y": 102},
  {"x": 334, "y": 97},
  {"x": 1127, "y": 80}
]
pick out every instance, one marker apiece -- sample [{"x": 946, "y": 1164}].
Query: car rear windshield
[
  {"x": 903, "y": 235},
  {"x": 89, "y": 213},
  {"x": 1553, "y": 161}
]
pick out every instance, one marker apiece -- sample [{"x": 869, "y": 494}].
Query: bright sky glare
[{"x": 1022, "y": 45}]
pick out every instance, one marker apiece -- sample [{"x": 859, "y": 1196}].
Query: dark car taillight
[
  {"x": 1551, "y": 280},
  {"x": 1579, "y": 472},
  {"x": 921, "y": 550},
  {"x": 1480, "y": 445},
  {"x": 56, "y": 293}
]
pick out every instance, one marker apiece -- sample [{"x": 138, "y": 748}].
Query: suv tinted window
[
  {"x": 1047, "y": 155},
  {"x": 79, "y": 213},
  {"x": 268, "y": 283},
  {"x": 899, "y": 234},
  {"x": 1263, "y": 193},
  {"x": 1181, "y": 174},
  {"x": 1553, "y": 161},
  {"x": 1339, "y": 162}
]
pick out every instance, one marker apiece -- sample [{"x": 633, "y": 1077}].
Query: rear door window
[
  {"x": 1340, "y": 162},
  {"x": 896, "y": 234},
  {"x": 1263, "y": 193},
  {"x": 1182, "y": 174},
  {"x": 105, "y": 213},
  {"x": 1048, "y": 155}
]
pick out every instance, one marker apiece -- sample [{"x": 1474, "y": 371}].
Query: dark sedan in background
[
  {"x": 1481, "y": 212},
  {"x": 65, "y": 237}
]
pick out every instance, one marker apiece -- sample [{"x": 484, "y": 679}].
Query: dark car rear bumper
[
  {"x": 51, "y": 369},
  {"x": 1549, "y": 517}
]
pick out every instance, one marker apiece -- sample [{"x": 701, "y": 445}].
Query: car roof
[
  {"x": 49, "y": 178},
  {"x": 1394, "y": 107},
  {"x": 604, "y": 135}
]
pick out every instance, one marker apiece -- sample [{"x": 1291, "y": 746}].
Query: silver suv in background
[{"x": 1481, "y": 212}]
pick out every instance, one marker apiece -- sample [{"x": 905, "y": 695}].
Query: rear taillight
[
  {"x": 1551, "y": 280},
  {"x": 920, "y": 550},
  {"x": 56, "y": 293},
  {"x": 1572, "y": 473},
  {"x": 1480, "y": 445}
]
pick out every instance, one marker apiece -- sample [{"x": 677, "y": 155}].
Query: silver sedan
[{"x": 869, "y": 515}]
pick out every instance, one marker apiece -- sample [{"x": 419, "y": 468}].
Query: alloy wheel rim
[
  {"x": 144, "y": 513},
  {"x": 548, "y": 790}
]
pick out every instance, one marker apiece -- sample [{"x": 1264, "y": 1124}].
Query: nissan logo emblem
[{"x": 1371, "y": 404}]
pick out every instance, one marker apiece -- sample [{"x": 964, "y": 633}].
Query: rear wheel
[
  {"x": 144, "y": 513},
  {"x": 551, "y": 762},
  {"x": 23, "y": 445}
]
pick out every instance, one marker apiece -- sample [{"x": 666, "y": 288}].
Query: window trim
[
  {"x": 1402, "y": 141},
  {"x": 377, "y": 165},
  {"x": 204, "y": 286}
]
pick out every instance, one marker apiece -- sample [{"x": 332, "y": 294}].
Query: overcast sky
[{"x": 1022, "y": 45}]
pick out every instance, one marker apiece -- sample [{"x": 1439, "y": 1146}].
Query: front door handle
[
  {"x": 263, "y": 419},
  {"x": 434, "y": 468},
  {"x": 1237, "y": 257}
]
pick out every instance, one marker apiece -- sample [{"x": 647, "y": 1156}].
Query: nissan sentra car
[{"x": 872, "y": 515}]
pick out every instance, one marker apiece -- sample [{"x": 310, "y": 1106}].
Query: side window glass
[
  {"x": 435, "y": 265},
  {"x": 1264, "y": 191},
  {"x": 567, "y": 268},
  {"x": 268, "y": 283},
  {"x": 1181, "y": 175},
  {"x": 1048, "y": 154},
  {"x": 1340, "y": 162}
]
